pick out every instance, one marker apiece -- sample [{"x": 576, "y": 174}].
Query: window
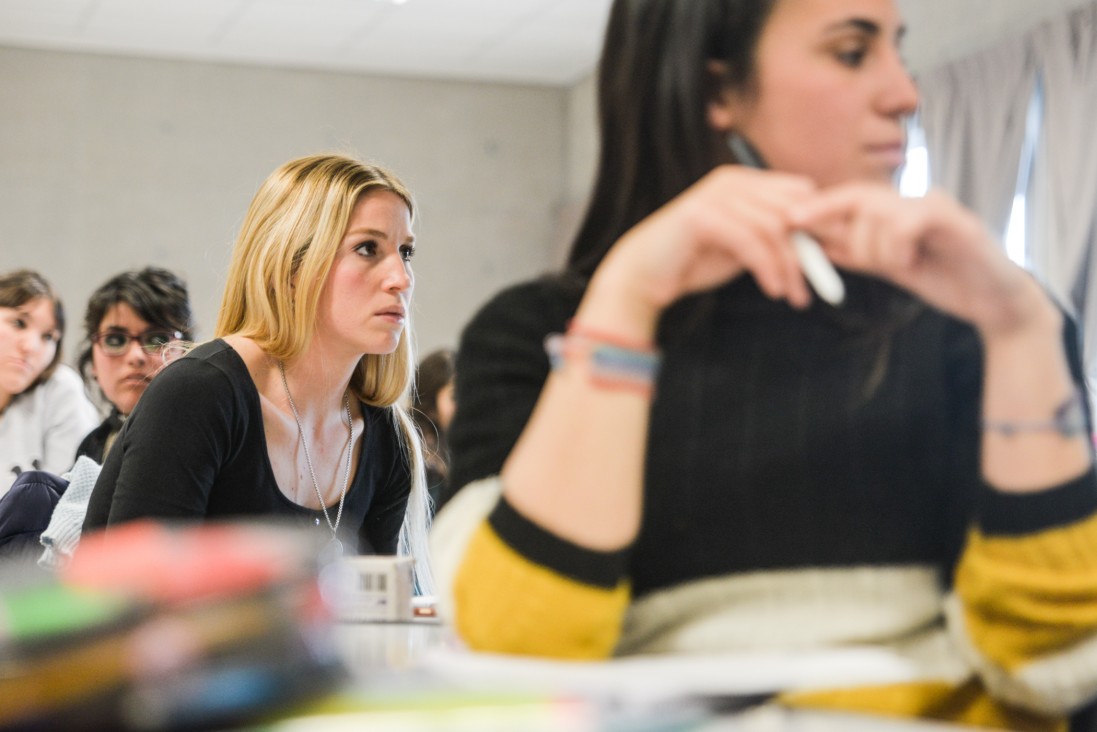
[
  {"x": 915, "y": 177},
  {"x": 914, "y": 180},
  {"x": 1016, "y": 244}
]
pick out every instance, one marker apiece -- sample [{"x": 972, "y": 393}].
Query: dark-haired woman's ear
[{"x": 725, "y": 105}]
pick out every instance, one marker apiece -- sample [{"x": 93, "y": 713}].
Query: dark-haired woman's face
[
  {"x": 446, "y": 405},
  {"x": 28, "y": 342},
  {"x": 124, "y": 376},
  {"x": 831, "y": 94}
]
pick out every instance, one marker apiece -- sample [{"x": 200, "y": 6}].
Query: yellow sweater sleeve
[
  {"x": 1030, "y": 596},
  {"x": 505, "y": 603}
]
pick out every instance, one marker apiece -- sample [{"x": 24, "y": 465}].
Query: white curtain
[
  {"x": 1062, "y": 225},
  {"x": 973, "y": 112}
]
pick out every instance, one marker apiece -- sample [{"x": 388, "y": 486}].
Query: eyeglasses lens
[{"x": 115, "y": 343}]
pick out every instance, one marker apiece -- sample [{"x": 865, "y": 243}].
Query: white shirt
[{"x": 41, "y": 430}]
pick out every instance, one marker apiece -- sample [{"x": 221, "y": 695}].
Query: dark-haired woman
[
  {"x": 432, "y": 410},
  {"x": 133, "y": 325},
  {"x": 675, "y": 447},
  {"x": 44, "y": 410}
]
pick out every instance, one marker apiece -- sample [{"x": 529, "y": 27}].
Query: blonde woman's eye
[
  {"x": 367, "y": 248},
  {"x": 406, "y": 253}
]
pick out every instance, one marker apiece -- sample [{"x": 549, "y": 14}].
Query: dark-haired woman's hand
[
  {"x": 733, "y": 221},
  {"x": 942, "y": 253},
  {"x": 931, "y": 246}
]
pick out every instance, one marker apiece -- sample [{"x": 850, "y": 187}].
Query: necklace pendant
[{"x": 332, "y": 551}]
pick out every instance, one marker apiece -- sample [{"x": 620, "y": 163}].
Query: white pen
[{"x": 817, "y": 269}]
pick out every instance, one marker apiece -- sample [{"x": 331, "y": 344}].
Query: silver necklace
[{"x": 308, "y": 460}]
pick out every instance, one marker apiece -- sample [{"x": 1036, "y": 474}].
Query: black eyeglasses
[{"x": 117, "y": 342}]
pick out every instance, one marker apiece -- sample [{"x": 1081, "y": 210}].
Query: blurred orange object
[{"x": 171, "y": 563}]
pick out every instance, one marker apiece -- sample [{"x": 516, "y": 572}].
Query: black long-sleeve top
[{"x": 194, "y": 448}]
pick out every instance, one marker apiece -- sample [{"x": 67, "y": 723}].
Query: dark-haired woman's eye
[
  {"x": 851, "y": 53},
  {"x": 851, "y": 58},
  {"x": 156, "y": 340}
]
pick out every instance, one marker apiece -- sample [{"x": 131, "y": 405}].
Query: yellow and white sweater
[
  {"x": 786, "y": 506},
  {"x": 1013, "y": 647}
]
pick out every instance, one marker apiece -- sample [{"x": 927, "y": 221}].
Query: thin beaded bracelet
[
  {"x": 1068, "y": 419},
  {"x": 613, "y": 362}
]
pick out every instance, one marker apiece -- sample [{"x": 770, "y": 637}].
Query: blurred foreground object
[{"x": 157, "y": 628}]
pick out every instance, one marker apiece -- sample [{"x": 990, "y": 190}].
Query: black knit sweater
[{"x": 778, "y": 439}]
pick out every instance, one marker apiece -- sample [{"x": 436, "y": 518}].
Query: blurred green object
[
  {"x": 50, "y": 611},
  {"x": 158, "y": 627}
]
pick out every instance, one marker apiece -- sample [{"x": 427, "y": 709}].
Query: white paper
[{"x": 739, "y": 674}]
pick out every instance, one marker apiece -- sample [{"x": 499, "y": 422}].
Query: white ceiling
[{"x": 552, "y": 42}]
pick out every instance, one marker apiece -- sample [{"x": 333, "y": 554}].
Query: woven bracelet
[{"x": 1069, "y": 420}]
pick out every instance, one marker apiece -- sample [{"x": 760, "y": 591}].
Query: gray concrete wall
[{"x": 109, "y": 163}]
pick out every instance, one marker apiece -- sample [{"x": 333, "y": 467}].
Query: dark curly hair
[{"x": 160, "y": 297}]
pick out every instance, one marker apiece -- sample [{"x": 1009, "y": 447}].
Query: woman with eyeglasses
[
  {"x": 134, "y": 323},
  {"x": 44, "y": 409}
]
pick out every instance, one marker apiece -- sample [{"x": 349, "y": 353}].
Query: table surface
[{"x": 415, "y": 676}]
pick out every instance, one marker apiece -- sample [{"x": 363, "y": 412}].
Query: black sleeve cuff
[
  {"x": 589, "y": 566},
  {"x": 1016, "y": 514}
]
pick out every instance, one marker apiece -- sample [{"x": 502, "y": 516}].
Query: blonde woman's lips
[{"x": 394, "y": 315}]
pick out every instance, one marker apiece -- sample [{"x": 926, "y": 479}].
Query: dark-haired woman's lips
[{"x": 891, "y": 155}]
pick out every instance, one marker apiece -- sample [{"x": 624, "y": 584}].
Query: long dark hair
[
  {"x": 654, "y": 86},
  {"x": 158, "y": 296},
  {"x": 655, "y": 83},
  {"x": 435, "y": 371},
  {"x": 20, "y": 287}
]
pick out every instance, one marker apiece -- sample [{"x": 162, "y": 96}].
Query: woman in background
[
  {"x": 433, "y": 408},
  {"x": 673, "y": 447},
  {"x": 293, "y": 411},
  {"x": 44, "y": 409},
  {"x": 133, "y": 324}
]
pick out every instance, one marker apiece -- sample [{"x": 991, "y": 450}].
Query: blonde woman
[{"x": 293, "y": 409}]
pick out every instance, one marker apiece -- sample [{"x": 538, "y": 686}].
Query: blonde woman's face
[
  {"x": 28, "y": 342},
  {"x": 831, "y": 91},
  {"x": 364, "y": 304}
]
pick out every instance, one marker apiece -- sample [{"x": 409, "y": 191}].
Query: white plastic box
[{"x": 375, "y": 589}]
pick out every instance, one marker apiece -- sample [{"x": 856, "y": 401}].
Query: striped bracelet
[{"x": 612, "y": 363}]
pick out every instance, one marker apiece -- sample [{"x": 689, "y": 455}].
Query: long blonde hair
[{"x": 280, "y": 262}]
